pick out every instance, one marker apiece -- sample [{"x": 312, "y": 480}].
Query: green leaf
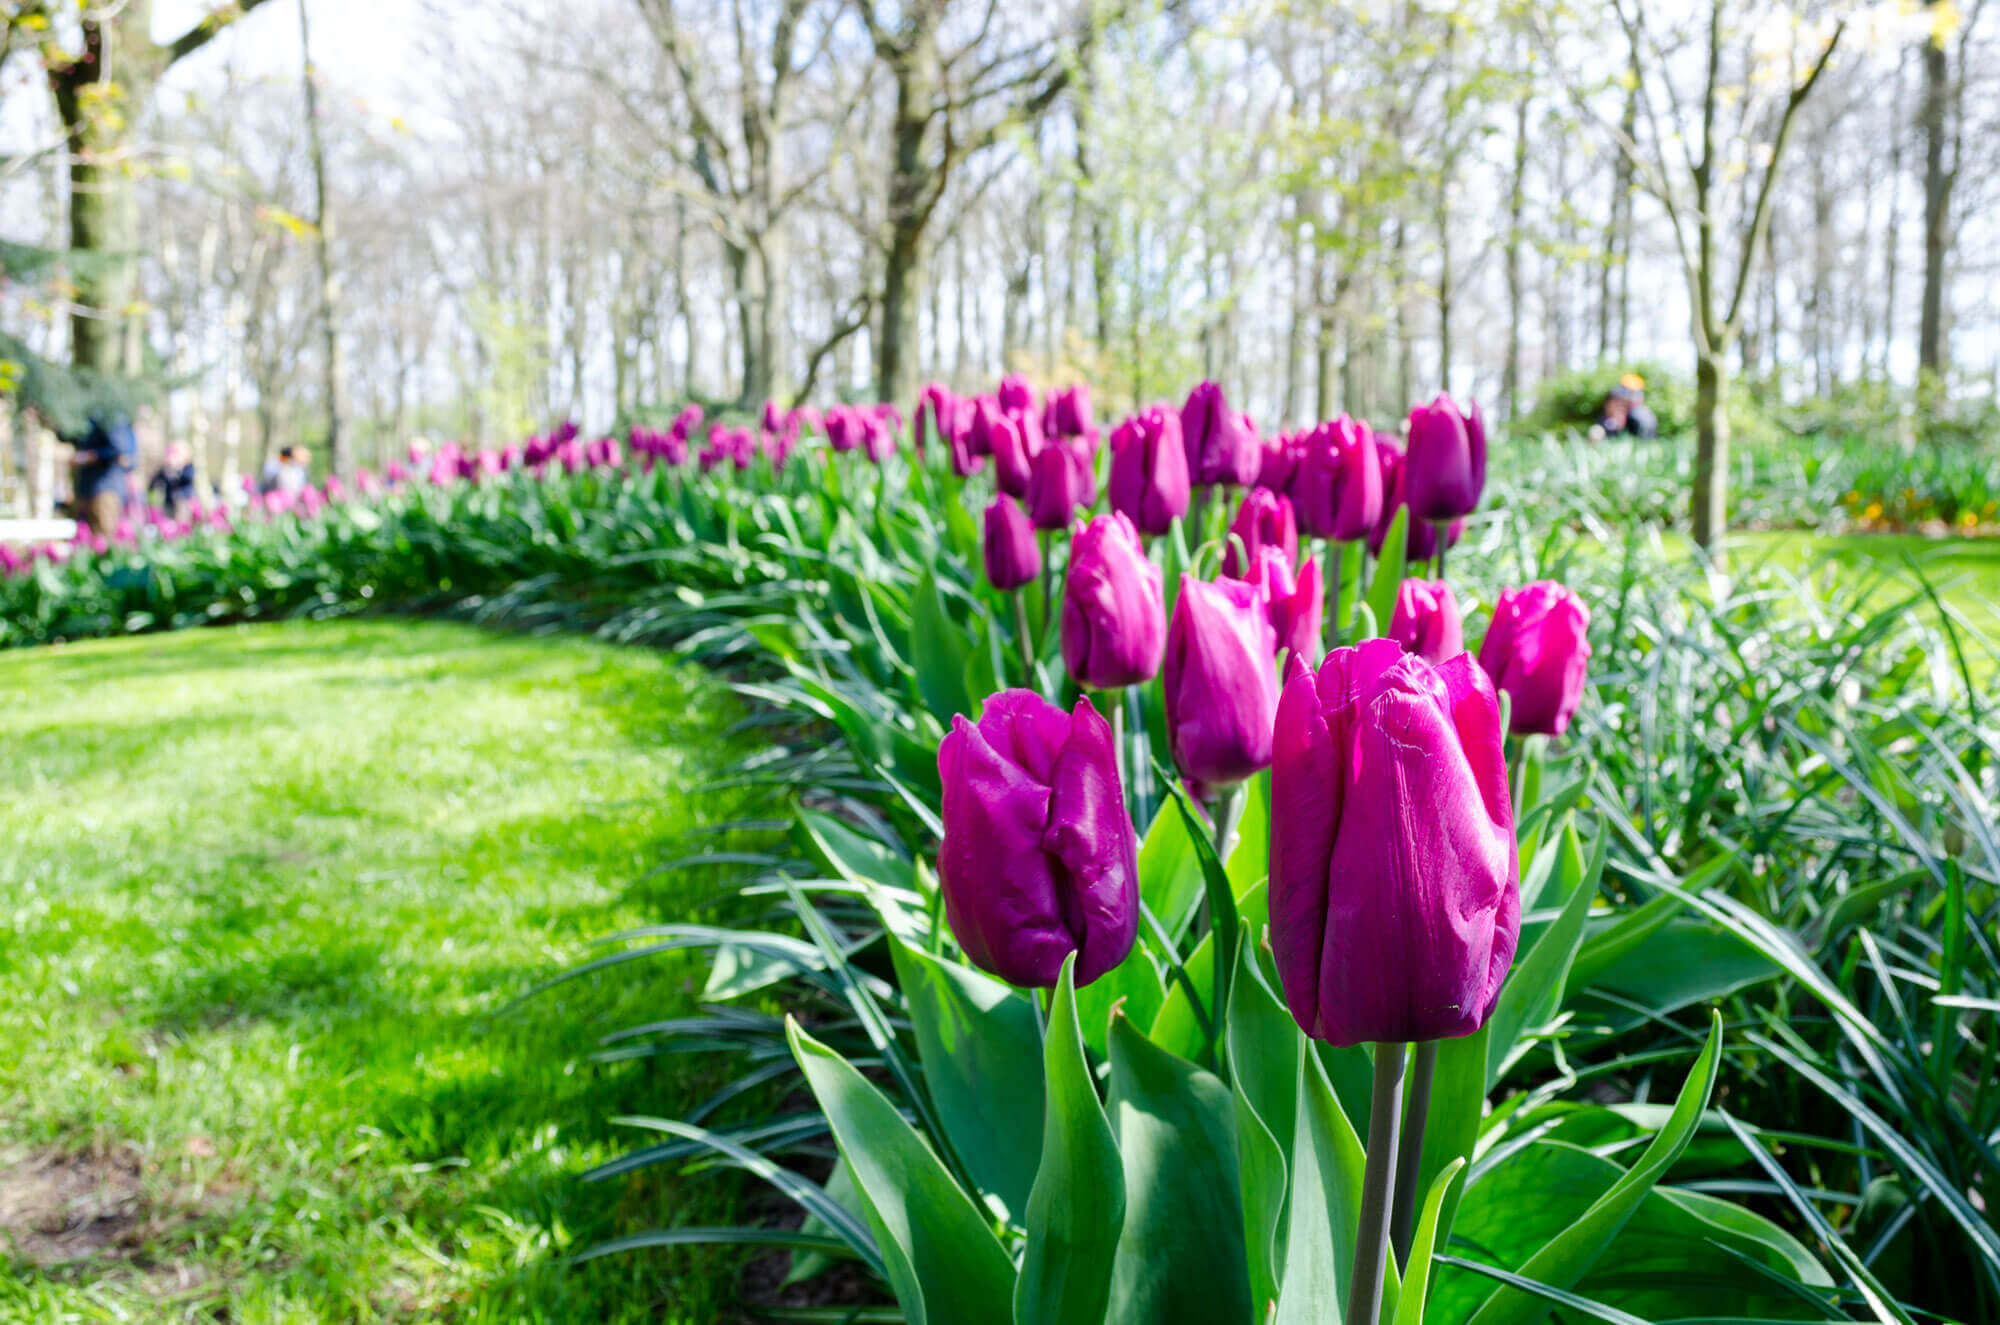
[
  {"x": 1181, "y": 1255},
  {"x": 1534, "y": 988},
  {"x": 1417, "y": 1273},
  {"x": 981, "y": 1052},
  {"x": 938, "y": 654},
  {"x": 939, "y": 1254},
  {"x": 1563, "y": 1260},
  {"x": 1177, "y": 1029},
  {"x": 1135, "y": 982},
  {"x": 1225, "y": 926},
  {"x": 1328, "y": 1165},
  {"x": 1250, "y": 858},
  {"x": 1458, "y": 1107},
  {"x": 1389, "y": 570},
  {"x": 1263, "y": 1047},
  {"x": 1169, "y": 874},
  {"x": 851, "y": 856},
  {"x": 1077, "y": 1208}
]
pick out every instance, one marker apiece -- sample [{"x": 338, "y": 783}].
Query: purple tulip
[
  {"x": 1292, "y": 605},
  {"x": 1012, "y": 446},
  {"x": 1446, "y": 460},
  {"x": 1061, "y": 480},
  {"x": 1420, "y": 541},
  {"x": 1012, "y": 556},
  {"x": 1039, "y": 859},
  {"x": 1263, "y": 520},
  {"x": 1114, "y": 618},
  {"x": 1338, "y": 487},
  {"x": 1279, "y": 463},
  {"x": 1221, "y": 446},
  {"x": 1395, "y": 882},
  {"x": 1426, "y": 620},
  {"x": 936, "y": 409},
  {"x": 1015, "y": 396},
  {"x": 1067, "y": 413},
  {"x": 1221, "y": 681},
  {"x": 1149, "y": 478},
  {"x": 1537, "y": 649},
  {"x": 844, "y": 428}
]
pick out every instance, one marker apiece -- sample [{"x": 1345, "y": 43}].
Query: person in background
[
  {"x": 1625, "y": 412},
  {"x": 289, "y": 472},
  {"x": 102, "y": 463},
  {"x": 172, "y": 483}
]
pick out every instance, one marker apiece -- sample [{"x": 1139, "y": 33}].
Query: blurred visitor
[
  {"x": 172, "y": 484},
  {"x": 1625, "y": 412},
  {"x": 102, "y": 463},
  {"x": 289, "y": 473}
]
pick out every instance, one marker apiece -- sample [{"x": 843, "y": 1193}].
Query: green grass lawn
[{"x": 268, "y": 895}]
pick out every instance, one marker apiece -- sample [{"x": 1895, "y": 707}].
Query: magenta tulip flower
[
  {"x": 1446, "y": 460},
  {"x": 1279, "y": 463},
  {"x": 1039, "y": 859},
  {"x": 1537, "y": 649},
  {"x": 1012, "y": 556},
  {"x": 1293, "y": 605},
  {"x": 1007, "y": 438},
  {"x": 1061, "y": 481},
  {"x": 1426, "y": 620},
  {"x": 1421, "y": 535},
  {"x": 936, "y": 408},
  {"x": 1015, "y": 396},
  {"x": 1221, "y": 446},
  {"x": 1149, "y": 477},
  {"x": 1395, "y": 882},
  {"x": 1337, "y": 490},
  {"x": 1114, "y": 616},
  {"x": 1263, "y": 520},
  {"x": 1067, "y": 413},
  {"x": 1221, "y": 681}
]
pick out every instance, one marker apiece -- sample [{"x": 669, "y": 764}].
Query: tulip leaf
[
  {"x": 1563, "y": 1260},
  {"x": 1417, "y": 1272},
  {"x": 1389, "y": 569},
  {"x": 1458, "y": 1107},
  {"x": 1328, "y": 1165},
  {"x": 1135, "y": 982},
  {"x": 1169, "y": 874},
  {"x": 981, "y": 1054},
  {"x": 852, "y": 856},
  {"x": 1077, "y": 1207},
  {"x": 939, "y": 1253},
  {"x": 1181, "y": 1255},
  {"x": 938, "y": 654},
  {"x": 1534, "y": 988},
  {"x": 1250, "y": 858},
  {"x": 1224, "y": 924},
  {"x": 1177, "y": 1028},
  {"x": 1345, "y": 581},
  {"x": 1263, "y": 1048}
]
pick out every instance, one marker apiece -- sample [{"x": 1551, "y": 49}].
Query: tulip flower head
[
  {"x": 1149, "y": 477},
  {"x": 1280, "y": 460},
  {"x": 1061, "y": 480},
  {"x": 1221, "y": 681},
  {"x": 1293, "y": 605},
  {"x": 1221, "y": 445},
  {"x": 1426, "y": 620},
  {"x": 1114, "y": 614},
  {"x": 1015, "y": 396},
  {"x": 1039, "y": 858},
  {"x": 1012, "y": 556},
  {"x": 1446, "y": 461},
  {"x": 1421, "y": 536},
  {"x": 1337, "y": 489},
  {"x": 1067, "y": 413},
  {"x": 1395, "y": 881},
  {"x": 1537, "y": 649},
  {"x": 1263, "y": 520}
]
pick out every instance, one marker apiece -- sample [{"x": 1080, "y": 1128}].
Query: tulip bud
[
  {"x": 1221, "y": 682},
  {"x": 1221, "y": 445},
  {"x": 1039, "y": 859},
  {"x": 1420, "y": 543},
  {"x": 1537, "y": 649},
  {"x": 1067, "y": 413},
  {"x": 1061, "y": 479},
  {"x": 1293, "y": 606},
  {"x": 936, "y": 407},
  {"x": 1446, "y": 461},
  {"x": 1012, "y": 556},
  {"x": 1149, "y": 479},
  {"x": 1263, "y": 520},
  {"x": 1395, "y": 882},
  {"x": 1338, "y": 487},
  {"x": 1015, "y": 396},
  {"x": 1114, "y": 617},
  {"x": 1279, "y": 463},
  {"x": 1007, "y": 440},
  {"x": 1426, "y": 620}
]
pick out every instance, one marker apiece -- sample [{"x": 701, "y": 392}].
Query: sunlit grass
[{"x": 269, "y": 894}]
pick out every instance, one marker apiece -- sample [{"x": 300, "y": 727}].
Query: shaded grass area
[{"x": 269, "y": 893}]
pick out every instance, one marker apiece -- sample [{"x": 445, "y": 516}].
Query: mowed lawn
[{"x": 269, "y": 896}]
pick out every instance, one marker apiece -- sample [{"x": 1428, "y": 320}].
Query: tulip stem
[
  {"x": 1444, "y": 540},
  {"x": 1385, "y": 1116},
  {"x": 1026, "y": 637},
  {"x": 1228, "y": 817},
  {"x": 1115, "y": 700},
  {"x": 1410, "y": 1159}
]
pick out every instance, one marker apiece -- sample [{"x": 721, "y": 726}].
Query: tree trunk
[
  {"x": 1711, "y": 455},
  {"x": 1510, "y": 371},
  {"x": 105, "y": 330},
  {"x": 1932, "y": 360},
  {"x": 329, "y": 284}
]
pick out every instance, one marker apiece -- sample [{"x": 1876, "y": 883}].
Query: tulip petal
[
  {"x": 1090, "y": 836},
  {"x": 1305, "y": 810}
]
